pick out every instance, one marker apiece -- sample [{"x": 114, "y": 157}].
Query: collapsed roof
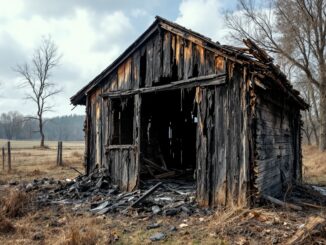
[{"x": 252, "y": 55}]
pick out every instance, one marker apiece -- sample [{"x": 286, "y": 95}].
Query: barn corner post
[
  {"x": 201, "y": 150},
  {"x": 251, "y": 136},
  {"x": 86, "y": 136},
  {"x": 134, "y": 175},
  {"x": 247, "y": 107}
]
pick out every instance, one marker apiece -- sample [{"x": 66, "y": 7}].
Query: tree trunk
[
  {"x": 306, "y": 129},
  {"x": 322, "y": 106},
  {"x": 41, "y": 131},
  {"x": 314, "y": 128}
]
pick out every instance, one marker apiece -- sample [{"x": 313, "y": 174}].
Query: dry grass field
[
  {"x": 21, "y": 222},
  {"x": 30, "y": 162},
  {"x": 314, "y": 165}
]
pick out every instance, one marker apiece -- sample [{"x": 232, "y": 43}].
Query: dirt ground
[{"x": 23, "y": 221}]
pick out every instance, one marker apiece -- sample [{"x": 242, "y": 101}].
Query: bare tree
[
  {"x": 36, "y": 77},
  {"x": 292, "y": 29}
]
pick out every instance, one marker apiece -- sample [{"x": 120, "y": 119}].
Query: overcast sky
[{"x": 89, "y": 35}]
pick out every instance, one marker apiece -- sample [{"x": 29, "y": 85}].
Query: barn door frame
[{"x": 131, "y": 181}]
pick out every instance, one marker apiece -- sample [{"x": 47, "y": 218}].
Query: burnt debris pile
[{"x": 96, "y": 193}]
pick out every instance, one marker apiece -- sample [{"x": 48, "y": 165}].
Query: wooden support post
[
  {"x": 59, "y": 154},
  {"x": 9, "y": 156},
  {"x": 3, "y": 158}
]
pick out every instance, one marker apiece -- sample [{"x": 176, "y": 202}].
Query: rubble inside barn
[{"x": 96, "y": 194}]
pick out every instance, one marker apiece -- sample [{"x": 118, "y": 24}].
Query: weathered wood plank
[
  {"x": 219, "y": 164},
  {"x": 209, "y": 62},
  {"x": 149, "y": 64},
  {"x": 136, "y": 69},
  {"x": 201, "y": 149},
  {"x": 281, "y": 203},
  {"x": 179, "y": 56},
  {"x": 188, "y": 60},
  {"x": 167, "y": 55},
  {"x": 234, "y": 145},
  {"x": 157, "y": 59}
]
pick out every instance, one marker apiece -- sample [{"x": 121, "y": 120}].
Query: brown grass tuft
[
  {"x": 6, "y": 226},
  {"x": 76, "y": 154},
  {"x": 15, "y": 203},
  {"x": 80, "y": 236},
  {"x": 36, "y": 172}
]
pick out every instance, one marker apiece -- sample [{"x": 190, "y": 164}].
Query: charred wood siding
[
  {"x": 278, "y": 152},
  {"x": 222, "y": 173},
  {"x": 94, "y": 140},
  {"x": 164, "y": 58}
]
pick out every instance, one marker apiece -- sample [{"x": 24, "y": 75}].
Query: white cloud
[
  {"x": 138, "y": 13},
  {"x": 10, "y": 9},
  {"x": 203, "y": 16},
  {"x": 79, "y": 37}
]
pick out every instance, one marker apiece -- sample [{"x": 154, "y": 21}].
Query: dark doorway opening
[
  {"x": 168, "y": 135},
  {"x": 122, "y": 116}
]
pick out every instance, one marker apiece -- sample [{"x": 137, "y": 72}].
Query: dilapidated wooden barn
[{"x": 223, "y": 116}]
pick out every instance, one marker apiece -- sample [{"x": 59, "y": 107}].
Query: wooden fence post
[
  {"x": 59, "y": 154},
  {"x": 61, "y": 162},
  {"x": 9, "y": 156},
  {"x": 3, "y": 157}
]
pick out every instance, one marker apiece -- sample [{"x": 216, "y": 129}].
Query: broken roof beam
[
  {"x": 203, "y": 81},
  {"x": 210, "y": 45}
]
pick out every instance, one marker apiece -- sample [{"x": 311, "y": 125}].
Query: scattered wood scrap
[
  {"x": 157, "y": 171},
  {"x": 76, "y": 170},
  {"x": 281, "y": 203},
  {"x": 304, "y": 231},
  {"x": 165, "y": 175},
  {"x": 310, "y": 205},
  {"x": 146, "y": 194}
]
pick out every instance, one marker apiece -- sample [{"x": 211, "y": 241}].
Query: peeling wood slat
[
  {"x": 204, "y": 45},
  {"x": 188, "y": 60},
  {"x": 149, "y": 64},
  {"x": 157, "y": 59},
  {"x": 167, "y": 55},
  {"x": 180, "y": 56}
]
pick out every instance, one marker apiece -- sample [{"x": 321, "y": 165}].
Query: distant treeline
[{"x": 15, "y": 126}]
